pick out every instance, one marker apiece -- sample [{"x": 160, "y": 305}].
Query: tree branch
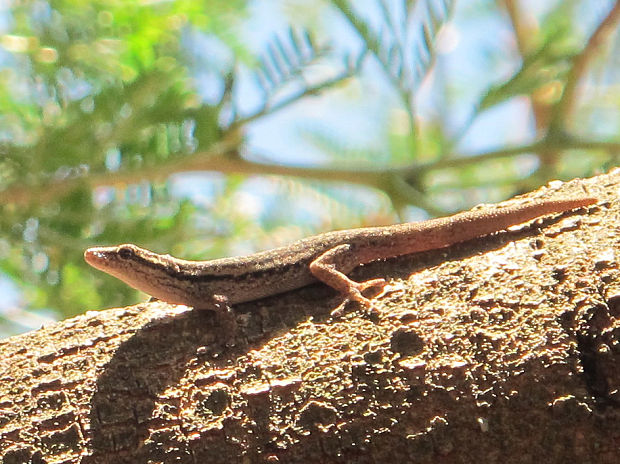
[
  {"x": 454, "y": 366},
  {"x": 224, "y": 159}
]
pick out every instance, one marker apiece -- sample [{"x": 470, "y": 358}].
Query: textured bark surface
[{"x": 501, "y": 349}]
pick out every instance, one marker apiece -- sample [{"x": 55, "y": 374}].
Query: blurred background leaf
[{"x": 222, "y": 128}]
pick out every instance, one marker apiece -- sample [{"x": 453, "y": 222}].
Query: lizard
[{"x": 219, "y": 283}]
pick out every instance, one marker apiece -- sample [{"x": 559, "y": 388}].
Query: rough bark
[{"x": 501, "y": 349}]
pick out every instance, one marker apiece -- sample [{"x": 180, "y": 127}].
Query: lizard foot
[
  {"x": 356, "y": 293},
  {"x": 361, "y": 287}
]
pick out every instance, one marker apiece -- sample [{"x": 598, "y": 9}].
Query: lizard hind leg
[{"x": 331, "y": 268}]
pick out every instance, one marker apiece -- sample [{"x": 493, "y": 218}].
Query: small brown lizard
[{"x": 327, "y": 257}]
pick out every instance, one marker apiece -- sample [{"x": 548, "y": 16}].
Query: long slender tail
[{"x": 446, "y": 231}]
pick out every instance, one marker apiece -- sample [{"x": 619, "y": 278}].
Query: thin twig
[
  {"x": 543, "y": 145},
  {"x": 372, "y": 44},
  {"x": 268, "y": 110},
  {"x": 523, "y": 38},
  {"x": 564, "y": 108},
  {"x": 399, "y": 36}
]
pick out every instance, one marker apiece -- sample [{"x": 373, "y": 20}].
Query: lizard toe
[{"x": 375, "y": 284}]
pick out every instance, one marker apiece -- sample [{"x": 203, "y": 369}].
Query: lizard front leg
[{"x": 331, "y": 268}]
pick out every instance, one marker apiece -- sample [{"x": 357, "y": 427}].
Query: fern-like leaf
[
  {"x": 285, "y": 60},
  {"x": 403, "y": 47}
]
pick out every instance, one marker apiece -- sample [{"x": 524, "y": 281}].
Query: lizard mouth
[{"x": 97, "y": 257}]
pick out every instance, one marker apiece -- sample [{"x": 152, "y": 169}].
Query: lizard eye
[{"x": 125, "y": 253}]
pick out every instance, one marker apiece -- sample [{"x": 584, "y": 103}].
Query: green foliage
[
  {"x": 103, "y": 106},
  {"x": 545, "y": 64}
]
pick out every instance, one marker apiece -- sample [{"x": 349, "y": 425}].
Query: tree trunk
[{"x": 501, "y": 349}]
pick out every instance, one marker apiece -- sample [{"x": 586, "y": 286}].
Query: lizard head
[{"x": 142, "y": 269}]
